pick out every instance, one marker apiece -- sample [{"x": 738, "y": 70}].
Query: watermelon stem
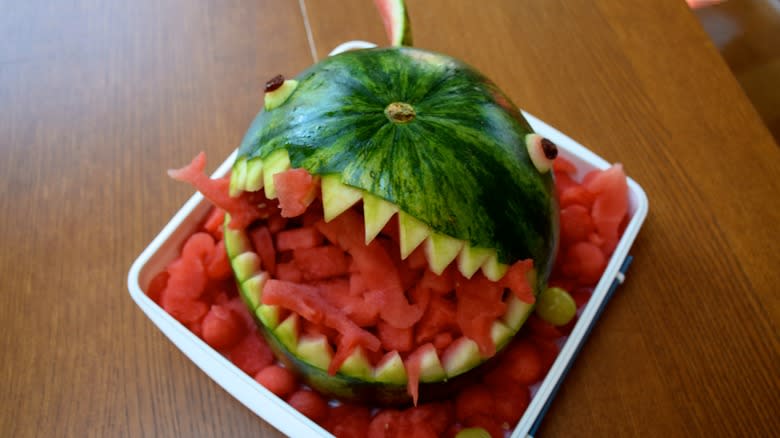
[{"x": 400, "y": 112}]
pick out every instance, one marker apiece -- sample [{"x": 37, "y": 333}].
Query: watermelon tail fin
[{"x": 396, "y": 20}]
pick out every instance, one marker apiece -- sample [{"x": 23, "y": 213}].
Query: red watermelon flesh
[{"x": 295, "y": 189}]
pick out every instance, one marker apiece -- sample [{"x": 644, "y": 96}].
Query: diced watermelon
[
  {"x": 585, "y": 262},
  {"x": 251, "y": 354},
  {"x": 384, "y": 283},
  {"x": 421, "y": 297},
  {"x": 157, "y": 286},
  {"x": 298, "y": 238},
  {"x": 562, "y": 165},
  {"x": 322, "y": 262},
  {"x": 276, "y": 223},
  {"x": 516, "y": 280},
  {"x": 296, "y": 189},
  {"x": 474, "y": 400},
  {"x": 576, "y": 225},
  {"x": 236, "y": 304},
  {"x": 356, "y": 284},
  {"x": 264, "y": 247},
  {"x": 306, "y": 301},
  {"x": 218, "y": 263},
  {"x": 408, "y": 276},
  {"x": 337, "y": 292},
  {"x": 440, "y": 284},
  {"x": 440, "y": 317},
  {"x": 417, "y": 259},
  {"x": 243, "y": 209},
  {"x": 310, "y": 404},
  {"x": 581, "y": 295},
  {"x": 214, "y": 222},
  {"x": 575, "y": 195},
  {"x": 345, "y": 230},
  {"x": 393, "y": 338},
  {"x": 199, "y": 246},
  {"x": 538, "y": 327},
  {"x": 611, "y": 204},
  {"x": 289, "y": 272},
  {"x": 478, "y": 306},
  {"x": 278, "y": 380},
  {"x": 222, "y": 328},
  {"x": 443, "y": 340}
]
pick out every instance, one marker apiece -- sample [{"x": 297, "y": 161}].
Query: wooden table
[{"x": 98, "y": 99}]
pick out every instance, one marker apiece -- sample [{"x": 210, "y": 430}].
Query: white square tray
[{"x": 165, "y": 247}]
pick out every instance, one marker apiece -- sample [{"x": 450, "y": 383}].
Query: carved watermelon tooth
[
  {"x": 500, "y": 334},
  {"x": 357, "y": 365},
  {"x": 245, "y": 265},
  {"x": 236, "y": 241},
  {"x": 252, "y": 289},
  {"x": 492, "y": 268},
  {"x": 269, "y": 315},
  {"x": 376, "y": 213},
  {"x": 441, "y": 250},
  {"x": 411, "y": 233},
  {"x": 254, "y": 175},
  {"x": 315, "y": 350},
  {"x": 277, "y": 161},
  {"x": 337, "y": 197},
  {"x": 238, "y": 177},
  {"x": 431, "y": 369},
  {"x": 517, "y": 311},
  {"x": 471, "y": 259},
  {"x": 461, "y": 356},
  {"x": 391, "y": 369},
  {"x": 287, "y": 332}
]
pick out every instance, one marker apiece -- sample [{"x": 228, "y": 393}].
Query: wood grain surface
[{"x": 98, "y": 99}]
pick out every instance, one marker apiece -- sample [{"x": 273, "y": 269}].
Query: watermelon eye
[
  {"x": 541, "y": 150},
  {"x": 274, "y": 83}
]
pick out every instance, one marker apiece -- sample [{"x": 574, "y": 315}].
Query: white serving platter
[{"x": 165, "y": 248}]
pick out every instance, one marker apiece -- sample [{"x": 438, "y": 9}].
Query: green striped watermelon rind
[{"x": 486, "y": 191}]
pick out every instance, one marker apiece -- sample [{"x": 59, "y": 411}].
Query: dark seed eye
[
  {"x": 274, "y": 83},
  {"x": 549, "y": 148}
]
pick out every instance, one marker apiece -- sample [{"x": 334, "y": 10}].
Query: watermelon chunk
[
  {"x": 295, "y": 189},
  {"x": 264, "y": 247},
  {"x": 478, "y": 306},
  {"x": 610, "y": 188},
  {"x": 298, "y": 238},
  {"x": 516, "y": 279},
  {"x": 243, "y": 210},
  {"x": 222, "y": 328},
  {"x": 322, "y": 262}
]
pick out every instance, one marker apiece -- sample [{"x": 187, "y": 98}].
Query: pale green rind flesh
[
  {"x": 493, "y": 269},
  {"x": 254, "y": 175},
  {"x": 315, "y": 350},
  {"x": 237, "y": 177},
  {"x": 441, "y": 250},
  {"x": 501, "y": 334},
  {"x": 236, "y": 241},
  {"x": 517, "y": 311},
  {"x": 277, "y": 161},
  {"x": 287, "y": 333},
  {"x": 269, "y": 315},
  {"x": 337, "y": 197},
  {"x": 376, "y": 212},
  {"x": 276, "y": 98},
  {"x": 431, "y": 369},
  {"x": 471, "y": 259},
  {"x": 253, "y": 289},
  {"x": 357, "y": 365},
  {"x": 461, "y": 356},
  {"x": 411, "y": 233},
  {"x": 392, "y": 370},
  {"x": 245, "y": 265}
]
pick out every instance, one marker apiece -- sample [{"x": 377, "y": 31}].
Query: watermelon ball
[
  {"x": 310, "y": 404},
  {"x": 278, "y": 380},
  {"x": 222, "y": 328},
  {"x": 474, "y": 400}
]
